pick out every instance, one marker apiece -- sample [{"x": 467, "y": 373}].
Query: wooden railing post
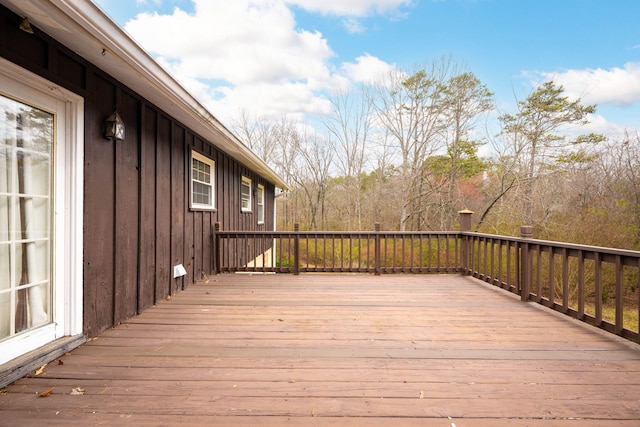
[
  {"x": 296, "y": 249},
  {"x": 217, "y": 250},
  {"x": 465, "y": 250},
  {"x": 376, "y": 250},
  {"x": 526, "y": 263}
]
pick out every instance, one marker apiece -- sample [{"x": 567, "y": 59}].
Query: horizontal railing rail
[{"x": 600, "y": 286}]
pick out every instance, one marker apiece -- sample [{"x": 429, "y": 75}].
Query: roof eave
[{"x": 84, "y": 28}]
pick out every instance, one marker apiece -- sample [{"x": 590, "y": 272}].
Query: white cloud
[
  {"x": 293, "y": 99},
  {"x": 599, "y": 125},
  {"x": 367, "y": 69},
  {"x": 146, "y": 2},
  {"x": 351, "y": 7},
  {"x": 353, "y": 25},
  {"x": 237, "y": 41},
  {"x": 252, "y": 55},
  {"x": 616, "y": 86},
  {"x": 246, "y": 44}
]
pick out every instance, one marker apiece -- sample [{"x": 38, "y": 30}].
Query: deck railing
[
  {"x": 600, "y": 286},
  {"x": 346, "y": 252}
]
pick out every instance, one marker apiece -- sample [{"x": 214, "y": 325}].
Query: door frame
[{"x": 68, "y": 176}]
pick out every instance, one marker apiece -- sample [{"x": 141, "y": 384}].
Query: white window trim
[
  {"x": 246, "y": 181},
  {"x": 260, "y": 206},
  {"x": 212, "y": 164},
  {"x": 68, "y": 209}
]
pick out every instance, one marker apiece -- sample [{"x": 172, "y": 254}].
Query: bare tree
[
  {"x": 312, "y": 175},
  {"x": 349, "y": 124},
  {"x": 259, "y": 134},
  {"x": 410, "y": 108}
]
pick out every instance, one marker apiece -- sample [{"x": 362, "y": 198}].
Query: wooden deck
[{"x": 337, "y": 350}]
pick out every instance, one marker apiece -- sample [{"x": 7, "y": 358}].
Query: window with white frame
[
  {"x": 246, "y": 194},
  {"x": 202, "y": 181},
  {"x": 260, "y": 203}
]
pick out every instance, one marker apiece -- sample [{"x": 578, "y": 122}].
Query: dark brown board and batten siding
[{"x": 137, "y": 221}]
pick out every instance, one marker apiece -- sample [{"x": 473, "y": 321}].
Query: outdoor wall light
[{"x": 114, "y": 127}]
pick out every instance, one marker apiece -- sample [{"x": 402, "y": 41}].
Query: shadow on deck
[{"x": 332, "y": 350}]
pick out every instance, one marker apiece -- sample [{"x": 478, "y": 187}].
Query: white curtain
[{"x": 26, "y": 141}]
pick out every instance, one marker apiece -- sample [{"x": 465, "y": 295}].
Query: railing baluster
[
  {"x": 429, "y": 251},
  {"x": 638, "y": 301},
  {"x": 402, "y": 253},
  {"x": 420, "y": 255},
  {"x": 619, "y": 319},
  {"x": 565, "y": 281},
  {"x": 324, "y": 251},
  {"x": 438, "y": 253},
  {"x": 217, "y": 250},
  {"x": 508, "y": 281},
  {"x": 552, "y": 285},
  {"x": 581, "y": 295},
  {"x": 444, "y": 252},
  {"x": 500, "y": 260},
  {"x": 598, "y": 284},
  {"x": 485, "y": 258},
  {"x": 539, "y": 262},
  {"x": 478, "y": 260},
  {"x": 411, "y": 254},
  {"x": 247, "y": 254},
  {"x": 492, "y": 272},
  {"x": 377, "y": 249},
  {"x": 457, "y": 249},
  {"x": 296, "y": 249},
  {"x": 343, "y": 252}
]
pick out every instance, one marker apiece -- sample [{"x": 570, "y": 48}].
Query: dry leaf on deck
[
  {"x": 46, "y": 392},
  {"x": 41, "y": 370},
  {"x": 78, "y": 391}
]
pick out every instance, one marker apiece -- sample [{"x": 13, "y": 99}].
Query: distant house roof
[{"x": 84, "y": 28}]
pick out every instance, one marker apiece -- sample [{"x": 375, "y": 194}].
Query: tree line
[{"x": 404, "y": 151}]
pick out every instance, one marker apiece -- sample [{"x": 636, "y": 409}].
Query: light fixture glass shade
[{"x": 114, "y": 127}]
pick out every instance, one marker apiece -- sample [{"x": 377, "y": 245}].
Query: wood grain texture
[
  {"x": 147, "y": 217},
  {"x": 340, "y": 350}
]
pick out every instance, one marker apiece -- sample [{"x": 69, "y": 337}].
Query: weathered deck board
[{"x": 338, "y": 350}]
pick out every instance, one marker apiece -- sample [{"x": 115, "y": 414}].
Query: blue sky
[{"x": 274, "y": 57}]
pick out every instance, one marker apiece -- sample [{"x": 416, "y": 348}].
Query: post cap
[{"x": 526, "y": 231}]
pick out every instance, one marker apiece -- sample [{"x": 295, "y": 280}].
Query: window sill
[{"x": 202, "y": 209}]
